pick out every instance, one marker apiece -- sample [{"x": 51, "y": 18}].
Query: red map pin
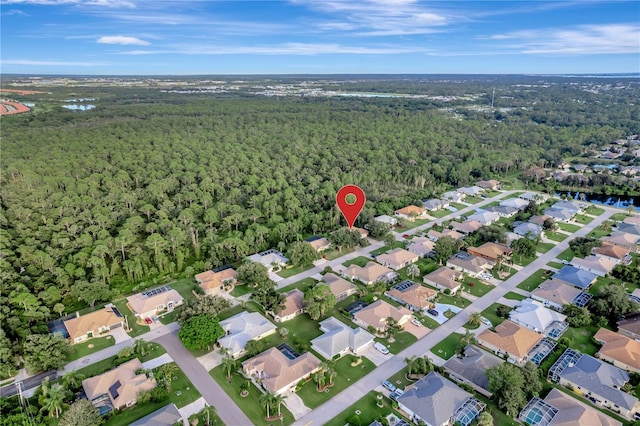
[{"x": 350, "y": 211}]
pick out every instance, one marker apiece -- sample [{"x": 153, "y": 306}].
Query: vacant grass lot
[
  {"x": 568, "y": 227},
  {"x": 446, "y": 348},
  {"x": 439, "y": 213},
  {"x": 368, "y": 409},
  {"x": 384, "y": 249},
  {"x": 567, "y": 255},
  {"x": 476, "y": 287},
  {"x": 345, "y": 376},
  {"x": 619, "y": 217},
  {"x": 92, "y": 345},
  {"x": 544, "y": 247},
  {"x": 556, "y": 265},
  {"x": 593, "y": 210},
  {"x": 583, "y": 219},
  {"x": 491, "y": 315},
  {"x": 289, "y": 272},
  {"x": 411, "y": 225},
  {"x": 581, "y": 339},
  {"x": 456, "y": 300},
  {"x": 457, "y": 205},
  {"x": 600, "y": 232},
  {"x": 251, "y": 404},
  {"x": 473, "y": 200},
  {"x": 360, "y": 261},
  {"x": 534, "y": 280},
  {"x": 556, "y": 236}
]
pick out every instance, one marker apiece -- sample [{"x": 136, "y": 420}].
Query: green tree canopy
[{"x": 200, "y": 332}]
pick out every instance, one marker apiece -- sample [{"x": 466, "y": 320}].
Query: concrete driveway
[
  {"x": 375, "y": 356},
  {"x": 295, "y": 404},
  {"x": 419, "y": 332},
  {"x": 119, "y": 335}
]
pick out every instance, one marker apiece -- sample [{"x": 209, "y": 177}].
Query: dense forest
[{"x": 151, "y": 184}]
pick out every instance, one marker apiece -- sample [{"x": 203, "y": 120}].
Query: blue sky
[{"x": 318, "y": 36}]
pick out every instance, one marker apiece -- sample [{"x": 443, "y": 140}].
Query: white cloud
[
  {"x": 14, "y": 12},
  {"x": 101, "y": 3},
  {"x": 124, "y": 40},
  {"x": 51, "y": 63},
  {"x": 579, "y": 40}
]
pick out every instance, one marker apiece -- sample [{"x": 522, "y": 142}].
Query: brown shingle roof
[
  {"x": 372, "y": 271},
  {"x": 409, "y": 210},
  {"x": 572, "y": 412},
  {"x": 417, "y": 295},
  {"x": 376, "y": 314},
  {"x": 491, "y": 250},
  {"x": 557, "y": 292},
  {"x": 336, "y": 284},
  {"x": 141, "y": 304},
  {"x": 320, "y": 244},
  {"x": 511, "y": 338},
  {"x": 615, "y": 252},
  {"x": 209, "y": 279},
  {"x": 397, "y": 257},
  {"x": 445, "y": 277},
  {"x": 293, "y": 302},
  {"x": 619, "y": 347},
  {"x": 278, "y": 371},
  {"x": 90, "y": 322},
  {"x": 131, "y": 384}
]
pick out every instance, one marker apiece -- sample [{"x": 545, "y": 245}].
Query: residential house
[
  {"x": 214, "y": 282},
  {"x": 436, "y": 401},
  {"x": 444, "y": 279},
  {"x": 277, "y": 373},
  {"x": 154, "y": 302},
  {"x": 595, "y": 379},
  {"x": 371, "y": 273},
  {"x": 340, "y": 287},
  {"x": 118, "y": 388},
  {"x": 414, "y": 296},
  {"x": 515, "y": 203},
  {"x": 93, "y": 324},
  {"x": 293, "y": 306},
  {"x": 422, "y": 246},
  {"x": 391, "y": 221},
  {"x": 473, "y": 191},
  {"x": 539, "y": 219},
  {"x": 510, "y": 339},
  {"x": 490, "y": 184},
  {"x": 397, "y": 258},
  {"x": 241, "y": 328},
  {"x": 559, "y": 215},
  {"x": 555, "y": 294},
  {"x": 319, "y": 243},
  {"x": 630, "y": 242},
  {"x": 630, "y": 326},
  {"x": 595, "y": 264},
  {"x": 534, "y": 196},
  {"x": 471, "y": 367},
  {"x": 484, "y": 217},
  {"x": 469, "y": 264},
  {"x": 338, "y": 339},
  {"x": 628, "y": 228},
  {"x": 435, "y": 235},
  {"x": 491, "y": 251},
  {"x": 619, "y": 350},
  {"x": 576, "y": 277},
  {"x": 574, "y": 206},
  {"x": 363, "y": 232},
  {"x": 454, "y": 196},
  {"x": 533, "y": 315},
  {"x": 632, "y": 220},
  {"x": 411, "y": 213},
  {"x": 529, "y": 230},
  {"x": 271, "y": 259},
  {"x": 376, "y": 314},
  {"x": 165, "y": 416},
  {"x": 614, "y": 253},
  {"x": 559, "y": 409},
  {"x": 466, "y": 227},
  {"x": 435, "y": 204},
  {"x": 503, "y": 211}
]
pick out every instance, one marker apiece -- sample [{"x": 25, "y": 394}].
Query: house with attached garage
[
  {"x": 271, "y": 259},
  {"x": 533, "y": 315},
  {"x": 377, "y": 313},
  {"x": 469, "y": 264},
  {"x": 279, "y": 373},
  {"x": 491, "y": 251},
  {"x": 576, "y": 277},
  {"x": 397, "y": 258},
  {"x": 422, "y": 246},
  {"x": 627, "y": 241},
  {"x": 559, "y": 215},
  {"x": 338, "y": 339},
  {"x": 435, "y": 204},
  {"x": 214, "y": 282},
  {"x": 466, "y": 227},
  {"x": 614, "y": 253},
  {"x": 503, "y": 211},
  {"x": 371, "y": 273},
  {"x": 319, "y": 243},
  {"x": 619, "y": 350},
  {"x": 514, "y": 203},
  {"x": 529, "y": 230},
  {"x": 411, "y": 213},
  {"x": 454, "y": 196},
  {"x": 293, "y": 306},
  {"x": 630, "y": 326},
  {"x": 340, "y": 287},
  {"x": 471, "y": 367},
  {"x": 93, "y": 324},
  {"x": 555, "y": 294},
  {"x": 490, "y": 184},
  {"x": 510, "y": 339},
  {"x": 486, "y": 218},
  {"x": 600, "y": 266},
  {"x": 150, "y": 303},
  {"x": 412, "y": 295},
  {"x": 473, "y": 191},
  {"x": 391, "y": 221},
  {"x": 444, "y": 279},
  {"x": 241, "y": 328}
]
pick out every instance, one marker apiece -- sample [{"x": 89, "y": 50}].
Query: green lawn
[
  {"x": 544, "y": 247},
  {"x": 202, "y": 416},
  {"x": 556, "y": 236},
  {"x": 98, "y": 367},
  {"x": 582, "y": 219},
  {"x": 514, "y": 296},
  {"x": 534, "y": 280},
  {"x": 334, "y": 254},
  {"x": 580, "y": 339},
  {"x": 457, "y": 206},
  {"x": 473, "y": 200},
  {"x": 180, "y": 384},
  {"x": 600, "y": 232},
  {"x": 524, "y": 261},
  {"x": 400, "y": 379},
  {"x": 289, "y": 272},
  {"x": 302, "y": 285},
  {"x": 411, "y": 225},
  {"x": 556, "y": 265},
  {"x": 568, "y": 227},
  {"x": 136, "y": 329},
  {"x": 602, "y": 282},
  {"x": 594, "y": 211},
  {"x": 439, "y": 213},
  {"x": 251, "y": 404},
  {"x": 360, "y": 261},
  {"x": 369, "y": 411},
  {"x": 345, "y": 376},
  {"x": 510, "y": 196},
  {"x": 186, "y": 287},
  {"x": 566, "y": 255},
  {"x": 478, "y": 288},
  {"x": 469, "y": 213},
  {"x": 240, "y": 290},
  {"x": 401, "y": 341},
  {"x": 384, "y": 249},
  {"x": 456, "y": 300},
  {"x": 619, "y": 217},
  {"x": 92, "y": 345},
  {"x": 130, "y": 415},
  {"x": 491, "y": 315},
  {"x": 447, "y": 347},
  {"x": 505, "y": 274}
]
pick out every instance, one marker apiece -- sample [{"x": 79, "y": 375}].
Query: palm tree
[
  {"x": 277, "y": 400},
  {"x": 411, "y": 363},
  {"x": 141, "y": 347},
  {"x": 229, "y": 364},
  {"x": 73, "y": 380},
  {"x": 320, "y": 379},
  {"x": 265, "y": 399},
  {"x": 475, "y": 319},
  {"x": 52, "y": 398},
  {"x": 166, "y": 372},
  {"x": 330, "y": 370}
]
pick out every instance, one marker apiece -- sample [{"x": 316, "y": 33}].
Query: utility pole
[{"x": 493, "y": 94}]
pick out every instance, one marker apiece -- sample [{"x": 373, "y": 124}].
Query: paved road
[
  {"x": 215, "y": 396},
  {"x": 28, "y": 383},
  {"x": 344, "y": 399}
]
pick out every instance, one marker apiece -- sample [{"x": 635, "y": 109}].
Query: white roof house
[
  {"x": 243, "y": 327},
  {"x": 269, "y": 258},
  {"x": 386, "y": 219},
  {"x": 338, "y": 339},
  {"x": 485, "y": 217},
  {"x": 516, "y": 203},
  {"x": 533, "y": 315},
  {"x": 598, "y": 265}
]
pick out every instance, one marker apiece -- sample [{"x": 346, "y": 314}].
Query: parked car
[
  {"x": 148, "y": 321},
  {"x": 382, "y": 348},
  {"x": 416, "y": 322},
  {"x": 387, "y": 384},
  {"x": 405, "y": 236},
  {"x": 433, "y": 312},
  {"x": 486, "y": 322}
]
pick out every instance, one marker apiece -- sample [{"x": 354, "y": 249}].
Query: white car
[
  {"x": 382, "y": 348},
  {"x": 486, "y": 322},
  {"x": 416, "y": 322}
]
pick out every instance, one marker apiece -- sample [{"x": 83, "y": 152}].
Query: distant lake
[
  {"x": 621, "y": 201},
  {"x": 77, "y": 107}
]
